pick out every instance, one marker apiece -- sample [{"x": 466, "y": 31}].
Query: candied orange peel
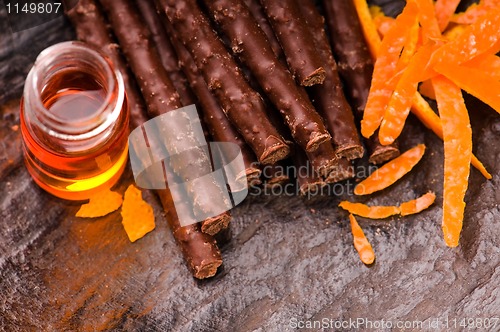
[
  {"x": 381, "y": 212},
  {"x": 137, "y": 216},
  {"x": 361, "y": 243},
  {"x": 388, "y": 174},
  {"x": 101, "y": 204}
]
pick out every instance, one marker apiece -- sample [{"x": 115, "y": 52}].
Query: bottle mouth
[{"x": 66, "y": 68}]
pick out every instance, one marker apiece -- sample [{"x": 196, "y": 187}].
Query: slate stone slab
[{"x": 287, "y": 260}]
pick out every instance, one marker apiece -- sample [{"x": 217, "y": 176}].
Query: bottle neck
[{"x": 73, "y": 98}]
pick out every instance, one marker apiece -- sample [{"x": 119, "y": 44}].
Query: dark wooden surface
[{"x": 286, "y": 258}]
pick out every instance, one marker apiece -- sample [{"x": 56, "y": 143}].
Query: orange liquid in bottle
[{"x": 75, "y": 168}]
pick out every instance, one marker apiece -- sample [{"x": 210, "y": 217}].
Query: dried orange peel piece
[
  {"x": 371, "y": 212},
  {"x": 137, "y": 216},
  {"x": 422, "y": 110},
  {"x": 361, "y": 243},
  {"x": 390, "y": 172},
  {"x": 444, "y": 12},
  {"x": 381, "y": 212},
  {"x": 457, "y": 136},
  {"x": 385, "y": 70},
  {"x": 417, "y": 205},
  {"x": 368, "y": 26},
  {"x": 101, "y": 204}
]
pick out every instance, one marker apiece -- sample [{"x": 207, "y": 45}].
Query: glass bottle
[{"x": 74, "y": 121}]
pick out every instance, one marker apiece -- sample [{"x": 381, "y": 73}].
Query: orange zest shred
[
  {"x": 137, "y": 216},
  {"x": 361, "y": 243},
  {"x": 372, "y": 212},
  {"x": 385, "y": 69},
  {"x": 431, "y": 120},
  {"x": 381, "y": 212},
  {"x": 428, "y": 20},
  {"x": 368, "y": 26},
  {"x": 486, "y": 63},
  {"x": 401, "y": 100},
  {"x": 410, "y": 46},
  {"x": 457, "y": 136},
  {"x": 444, "y": 11},
  {"x": 100, "y": 204},
  {"x": 417, "y": 205},
  {"x": 479, "y": 84},
  {"x": 479, "y": 38},
  {"x": 388, "y": 174},
  {"x": 474, "y": 12}
]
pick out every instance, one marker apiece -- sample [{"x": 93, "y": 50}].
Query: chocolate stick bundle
[
  {"x": 242, "y": 105},
  {"x": 251, "y": 46},
  {"x": 296, "y": 40},
  {"x": 309, "y": 182},
  {"x": 193, "y": 165},
  {"x": 218, "y": 124},
  {"x": 329, "y": 97},
  {"x": 355, "y": 66},
  {"x": 199, "y": 250}
]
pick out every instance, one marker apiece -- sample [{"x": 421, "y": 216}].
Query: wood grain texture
[{"x": 286, "y": 258}]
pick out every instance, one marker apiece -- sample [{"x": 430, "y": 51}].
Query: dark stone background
[{"x": 287, "y": 258}]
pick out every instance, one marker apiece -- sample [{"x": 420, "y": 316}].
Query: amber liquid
[{"x": 78, "y": 171}]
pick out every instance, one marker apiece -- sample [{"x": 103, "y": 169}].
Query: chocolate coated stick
[
  {"x": 243, "y": 106},
  {"x": 167, "y": 53},
  {"x": 199, "y": 250},
  {"x": 355, "y": 66},
  {"x": 296, "y": 40},
  {"x": 193, "y": 165},
  {"x": 329, "y": 97},
  {"x": 258, "y": 13},
  {"x": 251, "y": 46},
  {"x": 219, "y": 126}
]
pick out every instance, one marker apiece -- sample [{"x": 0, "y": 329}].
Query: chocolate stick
[
  {"x": 296, "y": 40},
  {"x": 329, "y": 97},
  {"x": 355, "y": 66},
  {"x": 258, "y": 13},
  {"x": 219, "y": 126},
  {"x": 309, "y": 182},
  {"x": 199, "y": 250},
  {"x": 250, "y": 44},
  {"x": 343, "y": 171},
  {"x": 275, "y": 175},
  {"x": 161, "y": 97},
  {"x": 242, "y": 105},
  {"x": 167, "y": 53}
]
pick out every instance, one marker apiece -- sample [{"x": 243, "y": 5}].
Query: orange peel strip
[
  {"x": 474, "y": 12},
  {"x": 388, "y": 174},
  {"x": 486, "y": 63},
  {"x": 444, "y": 11},
  {"x": 417, "y": 205},
  {"x": 385, "y": 70},
  {"x": 361, "y": 243},
  {"x": 371, "y": 212},
  {"x": 427, "y": 18},
  {"x": 368, "y": 26},
  {"x": 457, "y": 135},
  {"x": 381, "y": 212},
  {"x": 137, "y": 216},
  {"x": 479, "y": 38},
  {"x": 423, "y": 111},
  {"x": 101, "y": 204},
  {"x": 479, "y": 84},
  {"x": 401, "y": 100}
]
